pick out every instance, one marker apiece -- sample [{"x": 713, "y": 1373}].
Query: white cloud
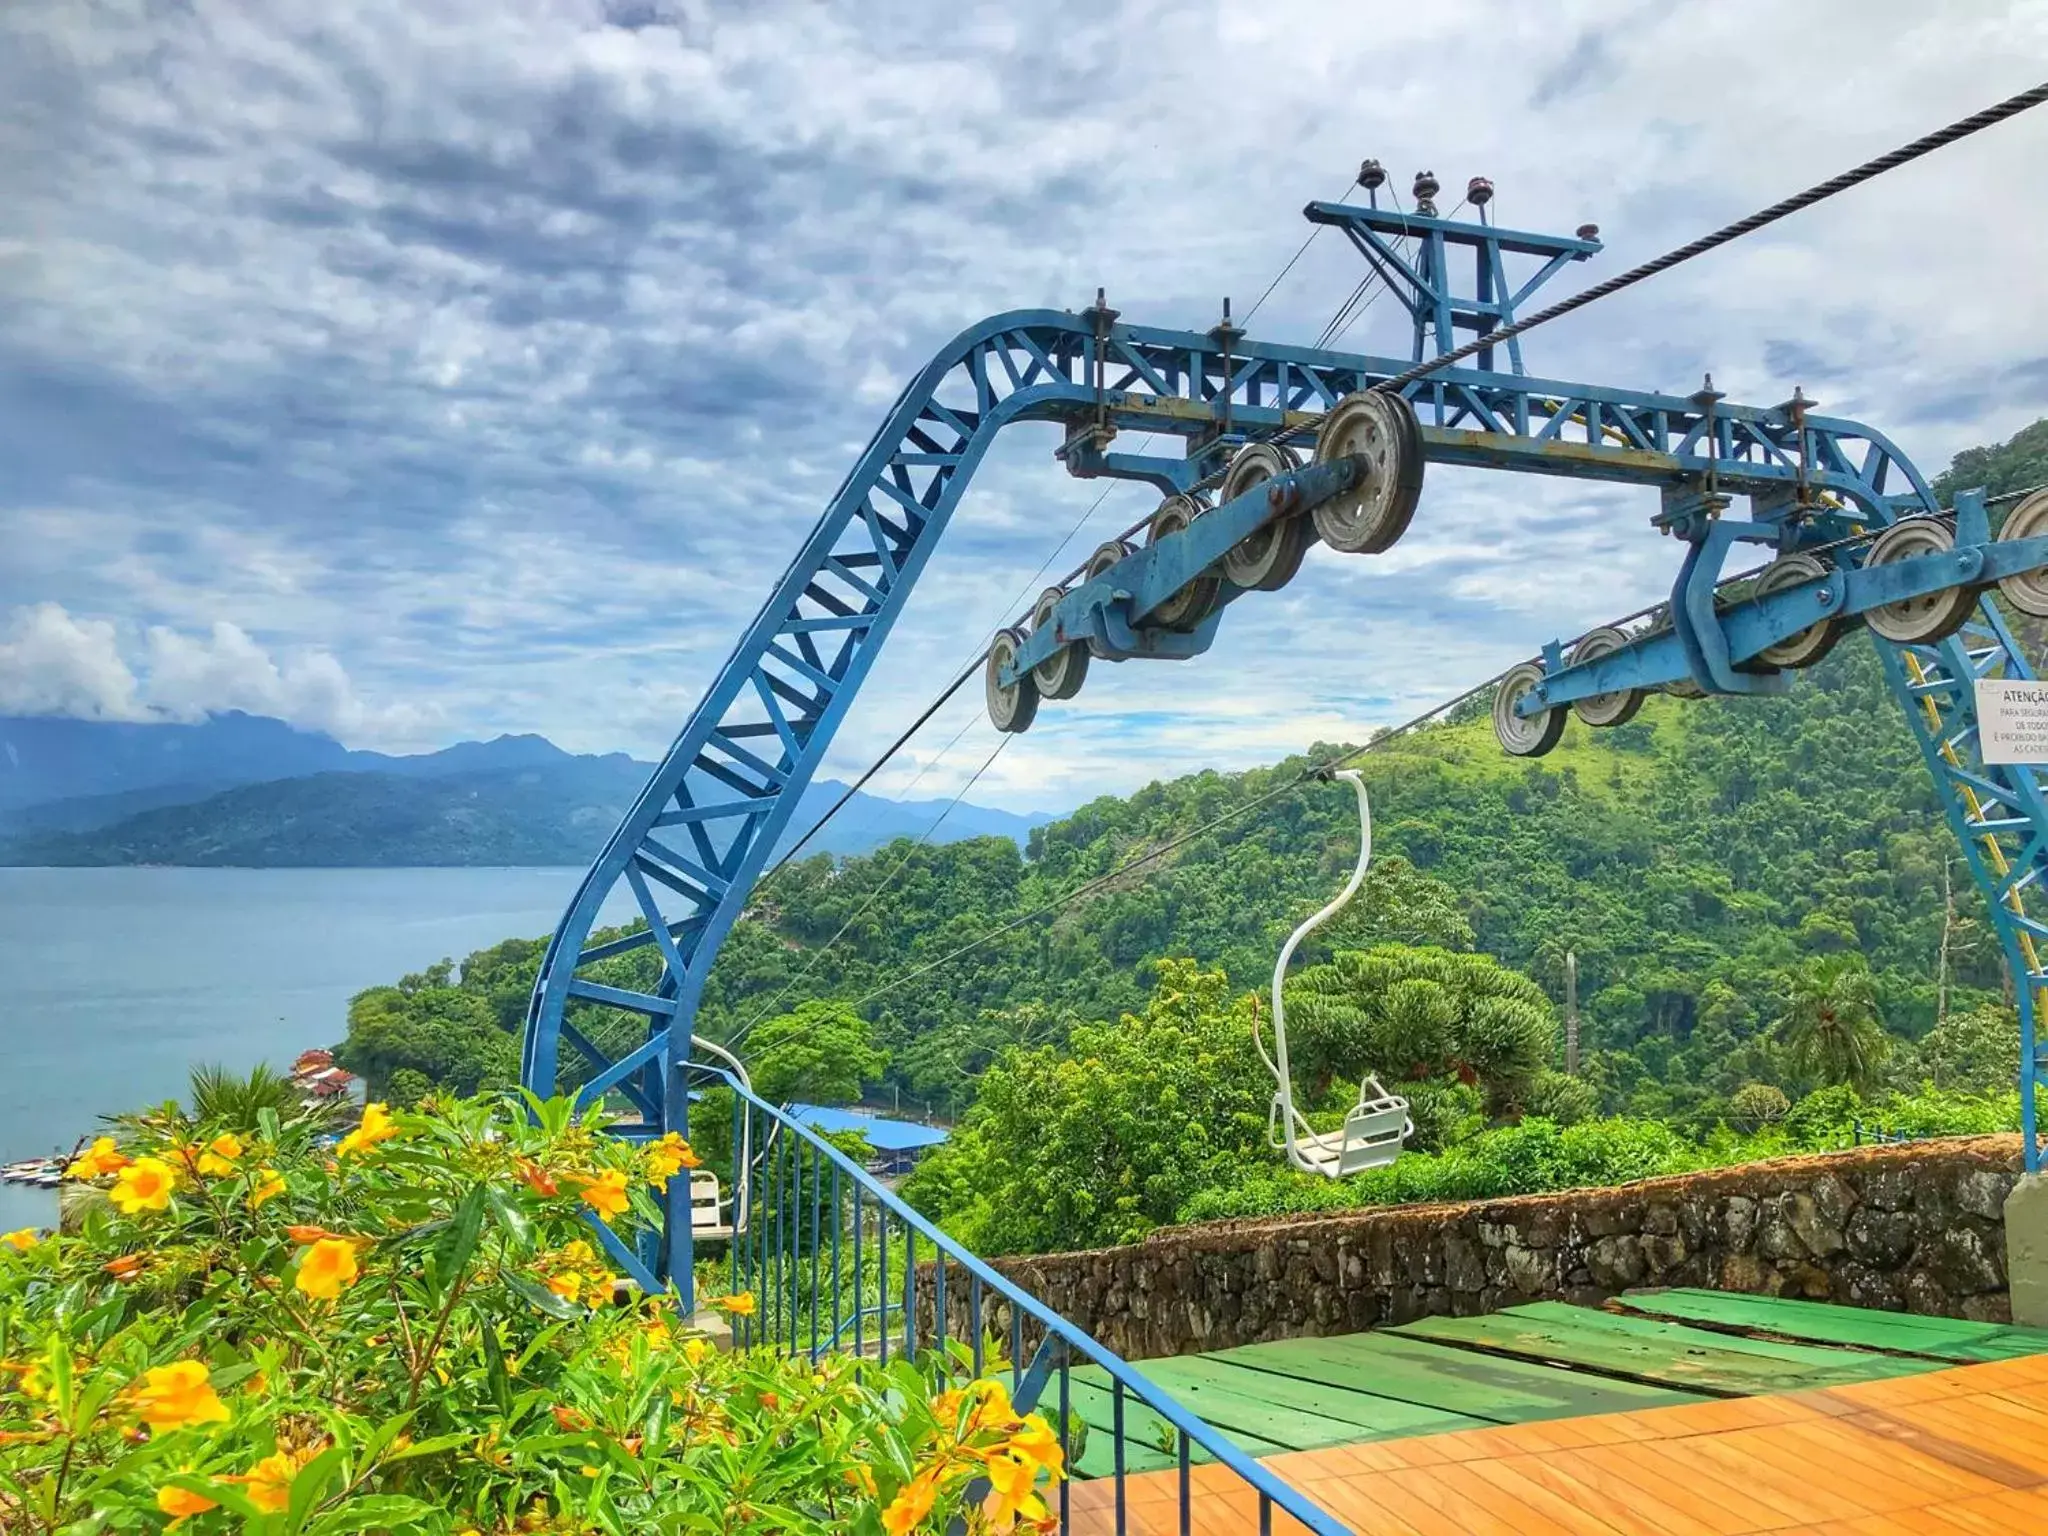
[
  {"x": 490, "y": 361},
  {"x": 189, "y": 676},
  {"x": 53, "y": 664}
]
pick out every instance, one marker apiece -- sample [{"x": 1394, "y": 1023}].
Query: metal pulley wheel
[
  {"x": 1604, "y": 709},
  {"x": 1812, "y": 642},
  {"x": 1519, "y": 736},
  {"x": 2028, "y": 591},
  {"x": 1380, "y": 429},
  {"x": 1267, "y": 559},
  {"x": 1917, "y": 620},
  {"x": 1014, "y": 707},
  {"x": 1198, "y": 599},
  {"x": 1061, "y": 674},
  {"x": 1106, "y": 557}
]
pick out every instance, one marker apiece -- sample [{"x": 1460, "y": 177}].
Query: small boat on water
[{"x": 43, "y": 1172}]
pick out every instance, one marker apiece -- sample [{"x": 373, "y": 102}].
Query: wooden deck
[{"x": 1860, "y": 1424}]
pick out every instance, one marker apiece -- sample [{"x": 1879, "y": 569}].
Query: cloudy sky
[{"x": 424, "y": 370}]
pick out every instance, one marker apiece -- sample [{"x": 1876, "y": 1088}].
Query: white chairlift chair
[
  {"x": 1378, "y": 1123},
  {"x": 713, "y": 1214}
]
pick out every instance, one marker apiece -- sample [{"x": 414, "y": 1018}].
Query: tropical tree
[
  {"x": 1397, "y": 904},
  {"x": 1421, "y": 1015},
  {"x": 820, "y": 1054},
  {"x": 1977, "y": 1051},
  {"x": 1831, "y": 1029},
  {"x": 1108, "y": 1139}
]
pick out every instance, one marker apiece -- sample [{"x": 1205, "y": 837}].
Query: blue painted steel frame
[{"x": 700, "y": 833}]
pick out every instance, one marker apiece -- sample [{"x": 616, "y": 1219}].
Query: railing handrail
[{"x": 1198, "y": 1431}]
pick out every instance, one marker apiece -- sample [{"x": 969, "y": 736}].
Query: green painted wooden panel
[
  {"x": 1150, "y": 1443},
  {"x": 1952, "y": 1339},
  {"x": 1666, "y": 1353},
  {"x": 1299, "y": 1413},
  {"x": 1460, "y": 1381}
]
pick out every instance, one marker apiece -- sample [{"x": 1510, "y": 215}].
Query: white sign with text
[{"x": 2012, "y": 721}]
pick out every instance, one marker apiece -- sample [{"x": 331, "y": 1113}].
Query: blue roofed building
[{"x": 898, "y": 1144}]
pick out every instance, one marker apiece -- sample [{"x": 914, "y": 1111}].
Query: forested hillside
[{"x": 1722, "y": 870}]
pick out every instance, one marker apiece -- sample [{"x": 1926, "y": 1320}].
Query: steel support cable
[
  {"x": 1347, "y": 315},
  {"x": 1315, "y": 769},
  {"x": 739, "y": 1035},
  {"x": 1962, "y": 128},
  {"x": 950, "y": 689},
  {"x": 981, "y": 656}
]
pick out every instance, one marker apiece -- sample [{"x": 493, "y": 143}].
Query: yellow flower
[
  {"x": 912, "y": 1503},
  {"x": 1037, "y": 1444},
  {"x": 22, "y": 1238},
  {"x": 668, "y": 1157},
  {"x": 328, "y": 1268},
  {"x": 861, "y": 1478},
  {"x": 576, "y": 1253},
  {"x": 566, "y": 1285},
  {"x": 606, "y": 1194},
  {"x": 992, "y": 1408},
  {"x": 100, "y": 1160},
  {"x": 1009, "y": 1491},
  {"x": 269, "y": 1185},
  {"x": 376, "y": 1126},
  {"x": 270, "y": 1483},
  {"x": 695, "y": 1350},
  {"x": 739, "y": 1304},
  {"x": 218, "y": 1160},
  {"x": 181, "y": 1504},
  {"x": 173, "y": 1396},
  {"x": 144, "y": 1185}
]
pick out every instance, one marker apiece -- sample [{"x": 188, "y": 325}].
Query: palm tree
[
  {"x": 236, "y": 1100},
  {"x": 1831, "y": 1028}
]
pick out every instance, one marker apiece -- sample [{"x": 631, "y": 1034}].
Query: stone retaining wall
[{"x": 1916, "y": 1227}]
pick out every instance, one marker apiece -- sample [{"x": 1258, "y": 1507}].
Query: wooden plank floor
[
  {"x": 1952, "y": 1339},
  {"x": 1961, "y": 1451},
  {"x": 1657, "y": 1350}
]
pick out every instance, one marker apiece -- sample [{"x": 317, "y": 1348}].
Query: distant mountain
[
  {"x": 557, "y": 813},
  {"x": 75, "y": 775},
  {"x": 46, "y": 759}
]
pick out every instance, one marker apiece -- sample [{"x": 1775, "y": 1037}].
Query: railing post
[{"x": 682, "y": 1252}]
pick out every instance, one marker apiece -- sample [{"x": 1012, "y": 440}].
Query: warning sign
[{"x": 2012, "y": 721}]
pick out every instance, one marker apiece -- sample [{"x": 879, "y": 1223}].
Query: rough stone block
[{"x": 2026, "y": 1249}]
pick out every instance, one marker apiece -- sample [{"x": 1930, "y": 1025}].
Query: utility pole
[
  {"x": 1571, "y": 1014},
  {"x": 1948, "y": 927}
]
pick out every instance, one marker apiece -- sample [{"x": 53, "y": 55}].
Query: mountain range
[{"x": 245, "y": 790}]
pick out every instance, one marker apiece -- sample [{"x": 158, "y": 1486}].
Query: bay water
[{"x": 115, "y": 982}]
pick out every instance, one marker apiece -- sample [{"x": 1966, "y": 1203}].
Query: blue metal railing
[{"x": 837, "y": 1264}]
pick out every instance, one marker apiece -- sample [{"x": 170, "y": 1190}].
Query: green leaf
[
  {"x": 511, "y": 1218},
  {"x": 495, "y": 1374},
  {"x": 373, "y": 1512},
  {"x": 543, "y": 1298},
  {"x": 429, "y": 1447},
  {"x": 452, "y": 1250},
  {"x": 310, "y": 1486}
]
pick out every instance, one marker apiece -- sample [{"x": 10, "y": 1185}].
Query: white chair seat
[{"x": 707, "y": 1211}]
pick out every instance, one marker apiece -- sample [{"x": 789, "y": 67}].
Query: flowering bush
[{"x": 416, "y": 1331}]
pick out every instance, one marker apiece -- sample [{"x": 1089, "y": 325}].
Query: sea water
[{"x": 115, "y": 982}]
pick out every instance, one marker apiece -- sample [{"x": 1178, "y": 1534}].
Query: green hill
[{"x": 1695, "y": 861}]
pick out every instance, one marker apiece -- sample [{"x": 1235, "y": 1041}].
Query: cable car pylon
[{"x": 691, "y": 847}]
